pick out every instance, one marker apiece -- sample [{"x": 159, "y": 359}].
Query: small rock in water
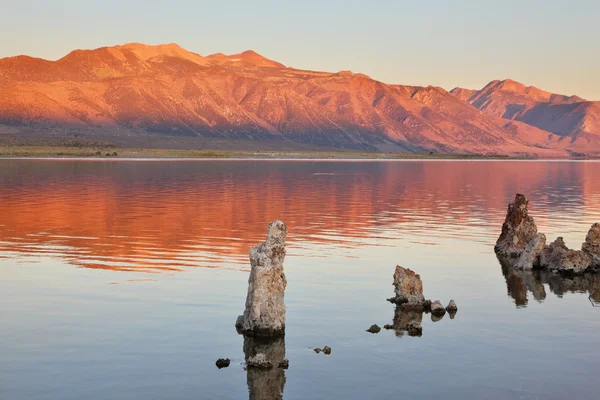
[
  {"x": 317, "y": 350},
  {"x": 259, "y": 361},
  {"x": 388, "y": 326},
  {"x": 452, "y": 308},
  {"x": 437, "y": 308},
  {"x": 327, "y": 350},
  {"x": 223, "y": 363},
  {"x": 374, "y": 329},
  {"x": 285, "y": 364}
]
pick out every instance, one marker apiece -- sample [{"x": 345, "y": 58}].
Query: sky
[{"x": 554, "y": 45}]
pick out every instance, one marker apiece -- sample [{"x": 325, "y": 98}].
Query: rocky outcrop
[
  {"x": 264, "y": 315},
  {"x": 530, "y": 257},
  {"x": 558, "y": 257},
  {"x": 408, "y": 288},
  {"x": 517, "y": 231},
  {"x": 592, "y": 245},
  {"x": 411, "y": 304},
  {"x": 520, "y": 247}
]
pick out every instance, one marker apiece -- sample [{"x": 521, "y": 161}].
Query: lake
[{"x": 122, "y": 279}]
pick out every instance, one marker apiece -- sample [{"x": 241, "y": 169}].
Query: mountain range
[{"x": 136, "y": 89}]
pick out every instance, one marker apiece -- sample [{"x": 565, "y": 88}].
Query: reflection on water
[
  {"x": 520, "y": 283},
  {"x": 121, "y": 279},
  {"x": 265, "y": 384},
  {"x": 168, "y": 216}
]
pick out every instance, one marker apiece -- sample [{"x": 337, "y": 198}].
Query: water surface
[{"x": 122, "y": 279}]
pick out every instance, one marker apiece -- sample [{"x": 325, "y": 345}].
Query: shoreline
[{"x": 116, "y": 153}]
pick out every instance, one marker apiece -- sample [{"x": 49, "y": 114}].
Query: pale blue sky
[{"x": 552, "y": 44}]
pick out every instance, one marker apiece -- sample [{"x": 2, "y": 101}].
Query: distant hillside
[
  {"x": 135, "y": 89},
  {"x": 574, "y": 119}
]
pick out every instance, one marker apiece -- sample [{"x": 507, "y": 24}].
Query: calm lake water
[{"x": 123, "y": 279}]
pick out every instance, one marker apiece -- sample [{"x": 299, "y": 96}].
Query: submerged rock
[
  {"x": 264, "y": 315},
  {"x": 374, "y": 329},
  {"x": 408, "y": 288},
  {"x": 517, "y": 231},
  {"x": 317, "y": 350},
  {"x": 530, "y": 258},
  {"x": 223, "y": 363},
  {"x": 437, "y": 309},
  {"x": 451, "y": 307}
]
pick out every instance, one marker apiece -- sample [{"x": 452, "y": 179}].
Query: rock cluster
[
  {"x": 521, "y": 247},
  {"x": 409, "y": 293},
  {"x": 325, "y": 350},
  {"x": 411, "y": 304},
  {"x": 264, "y": 315}
]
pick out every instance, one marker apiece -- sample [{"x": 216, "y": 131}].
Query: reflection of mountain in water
[
  {"x": 521, "y": 283},
  {"x": 165, "y": 215},
  {"x": 265, "y": 384}
]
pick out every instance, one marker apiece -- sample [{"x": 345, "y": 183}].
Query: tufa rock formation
[
  {"x": 374, "y": 329},
  {"x": 517, "y": 231},
  {"x": 409, "y": 289},
  {"x": 265, "y": 308},
  {"x": 520, "y": 246},
  {"x": 411, "y": 304}
]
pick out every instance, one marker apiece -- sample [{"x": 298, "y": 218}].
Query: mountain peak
[
  {"x": 146, "y": 52},
  {"x": 248, "y": 57}
]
